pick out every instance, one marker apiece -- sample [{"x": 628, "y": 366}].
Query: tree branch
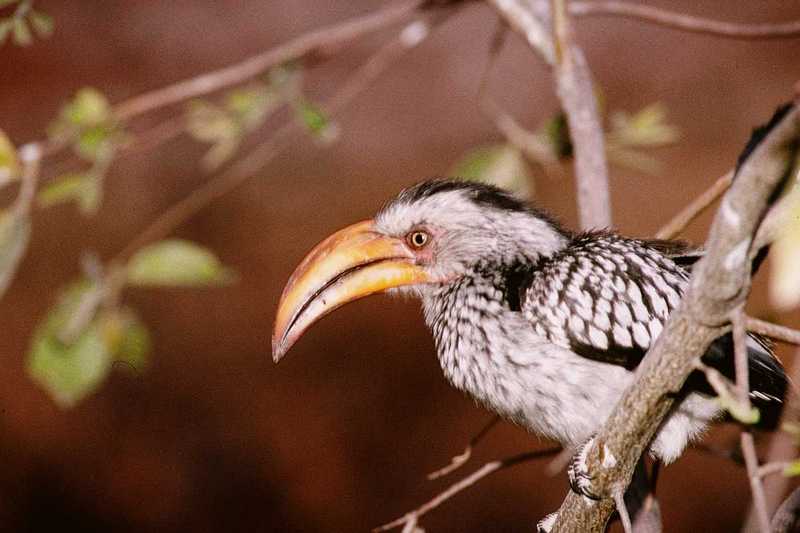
[
  {"x": 284, "y": 137},
  {"x": 409, "y": 520},
  {"x": 459, "y": 460},
  {"x": 325, "y": 38},
  {"x": 720, "y": 284},
  {"x": 682, "y": 21},
  {"x": 576, "y": 93},
  {"x": 679, "y": 222},
  {"x": 773, "y": 331}
]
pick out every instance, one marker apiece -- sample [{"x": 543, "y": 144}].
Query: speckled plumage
[{"x": 545, "y": 327}]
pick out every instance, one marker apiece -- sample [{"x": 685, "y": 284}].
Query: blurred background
[{"x": 340, "y": 435}]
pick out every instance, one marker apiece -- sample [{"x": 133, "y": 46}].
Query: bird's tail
[{"x": 768, "y": 380}]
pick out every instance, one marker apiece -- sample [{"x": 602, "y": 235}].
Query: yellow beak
[{"x": 350, "y": 264}]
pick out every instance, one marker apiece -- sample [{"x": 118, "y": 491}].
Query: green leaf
[
  {"x": 208, "y": 122},
  {"x": 177, "y": 263},
  {"x": 15, "y": 232},
  {"x": 633, "y": 159},
  {"x": 96, "y": 143},
  {"x": 68, "y": 372},
  {"x": 646, "y": 128},
  {"x": 127, "y": 337},
  {"x": 5, "y": 29},
  {"x": 501, "y": 165},
  {"x": 21, "y": 33},
  {"x": 556, "y": 131},
  {"x": 252, "y": 105},
  {"x": 792, "y": 469},
  {"x": 88, "y": 108},
  {"x": 9, "y": 164},
  {"x": 82, "y": 188},
  {"x": 312, "y": 116},
  {"x": 42, "y": 24}
]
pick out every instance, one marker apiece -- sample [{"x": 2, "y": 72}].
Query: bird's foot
[
  {"x": 546, "y": 524},
  {"x": 580, "y": 479}
]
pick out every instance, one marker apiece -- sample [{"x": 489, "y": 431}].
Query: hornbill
[{"x": 541, "y": 325}]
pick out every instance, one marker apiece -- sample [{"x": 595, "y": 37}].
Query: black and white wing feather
[{"x": 607, "y": 298}]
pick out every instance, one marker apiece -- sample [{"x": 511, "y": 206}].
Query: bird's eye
[{"x": 417, "y": 239}]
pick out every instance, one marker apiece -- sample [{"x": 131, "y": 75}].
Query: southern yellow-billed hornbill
[{"x": 542, "y": 326}]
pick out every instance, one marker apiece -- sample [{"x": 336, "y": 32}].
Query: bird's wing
[{"x": 605, "y": 297}]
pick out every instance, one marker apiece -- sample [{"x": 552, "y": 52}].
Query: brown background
[{"x": 338, "y": 437}]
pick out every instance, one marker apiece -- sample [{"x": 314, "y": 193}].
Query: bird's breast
[{"x": 494, "y": 355}]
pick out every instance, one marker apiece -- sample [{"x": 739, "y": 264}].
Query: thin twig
[
  {"x": 576, "y": 92},
  {"x": 31, "y": 156},
  {"x": 747, "y": 442},
  {"x": 773, "y": 331},
  {"x": 455, "y": 488},
  {"x": 461, "y": 459},
  {"x": 534, "y": 148},
  {"x": 328, "y": 37},
  {"x": 682, "y": 21},
  {"x": 751, "y": 462},
  {"x": 776, "y": 467},
  {"x": 532, "y": 26},
  {"x": 622, "y": 510},
  {"x": 283, "y": 138},
  {"x": 679, "y": 222},
  {"x": 782, "y": 447}
]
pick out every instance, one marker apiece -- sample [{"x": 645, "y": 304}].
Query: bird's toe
[{"x": 580, "y": 479}]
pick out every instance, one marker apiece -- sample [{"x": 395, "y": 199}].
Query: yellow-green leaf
[
  {"x": 501, "y": 165},
  {"x": 82, "y": 188},
  {"x": 89, "y": 107},
  {"x": 312, "y": 116},
  {"x": 21, "y": 33},
  {"x": 95, "y": 143},
  {"x": 738, "y": 410},
  {"x": 252, "y": 105},
  {"x": 69, "y": 371},
  {"x": 177, "y": 263},
  {"x": 9, "y": 163},
  {"x": 209, "y": 123},
  {"x": 5, "y": 29},
  {"x": 15, "y": 231},
  {"x": 646, "y": 127},
  {"x": 127, "y": 337},
  {"x": 792, "y": 469},
  {"x": 42, "y": 23}
]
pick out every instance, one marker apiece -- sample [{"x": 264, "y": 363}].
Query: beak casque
[{"x": 350, "y": 264}]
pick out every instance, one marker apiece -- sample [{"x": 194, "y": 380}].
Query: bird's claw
[
  {"x": 545, "y": 525},
  {"x": 580, "y": 479}
]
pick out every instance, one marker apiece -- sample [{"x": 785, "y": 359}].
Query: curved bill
[{"x": 350, "y": 264}]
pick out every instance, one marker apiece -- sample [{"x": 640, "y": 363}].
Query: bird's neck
[{"x": 468, "y": 318}]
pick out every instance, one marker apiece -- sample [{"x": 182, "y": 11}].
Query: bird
[{"x": 542, "y": 325}]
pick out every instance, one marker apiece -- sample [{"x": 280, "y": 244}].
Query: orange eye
[{"x": 417, "y": 239}]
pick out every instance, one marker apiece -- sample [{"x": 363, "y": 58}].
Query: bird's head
[{"x": 430, "y": 235}]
